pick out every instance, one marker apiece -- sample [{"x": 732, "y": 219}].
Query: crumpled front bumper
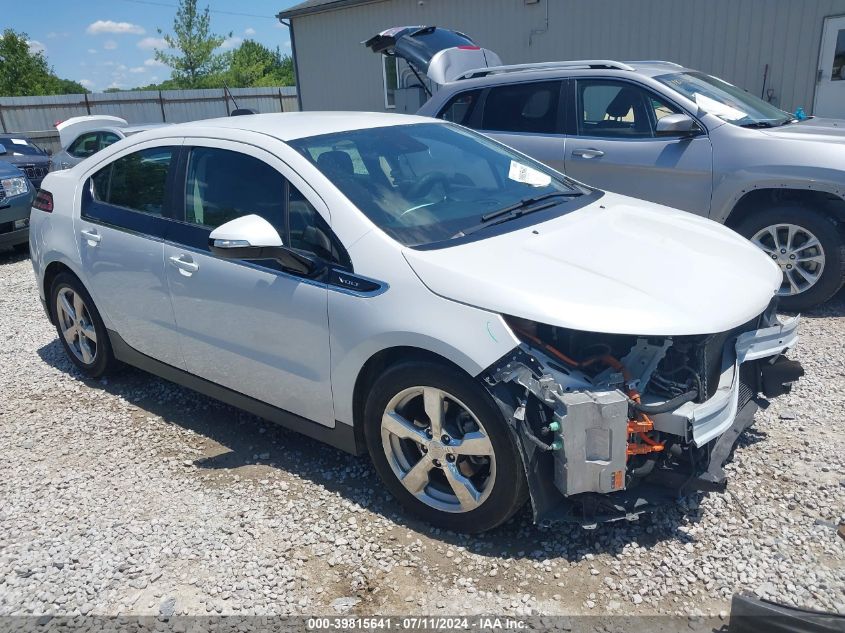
[{"x": 702, "y": 422}]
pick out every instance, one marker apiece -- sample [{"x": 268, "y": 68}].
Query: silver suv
[{"x": 657, "y": 131}]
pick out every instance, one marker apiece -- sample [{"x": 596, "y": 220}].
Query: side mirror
[
  {"x": 253, "y": 237},
  {"x": 677, "y": 125},
  {"x": 3, "y": 149}
]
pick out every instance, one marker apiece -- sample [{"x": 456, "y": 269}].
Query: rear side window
[
  {"x": 137, "y": 181},
  {"x": 108, "y": 138},
  {"x": 85, "y": 145},
  {"x": 528, "y": 107},
  {"x": 461, "y": 107}
]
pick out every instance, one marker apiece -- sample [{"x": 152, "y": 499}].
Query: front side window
[
  {"x": 619, "y": 110},
  {"x": 429, "y": 182},
  {"x": 137, "y": 181},
  {"x": 223, "y": 185},
  {"x": 725, "y": 101},
  {"x": 528, "y": 107}
]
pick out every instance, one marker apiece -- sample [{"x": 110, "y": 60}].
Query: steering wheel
[{"x": 422, "y": 186}]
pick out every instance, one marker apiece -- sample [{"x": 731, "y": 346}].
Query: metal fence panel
[{"x": 36, "y": 116}]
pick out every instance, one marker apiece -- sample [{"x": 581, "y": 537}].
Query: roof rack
[
  {"x": 656, "y": 61},
  {"x": 584, "y": 63}
]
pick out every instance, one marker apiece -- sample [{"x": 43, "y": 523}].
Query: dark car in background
[
  {"x": 21, "y": 152},
  {"x": 16, "y": 194}
]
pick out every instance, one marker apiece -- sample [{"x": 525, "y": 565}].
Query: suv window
[
  {"x": 223, "y": 185},
  {"x": 528, "y": 107},
  {"x": 85, "y": 145},
  {"x": 619, "y": 109},
  {"x": 461, "y": 107},
  {"x": 137, "y": 181}
]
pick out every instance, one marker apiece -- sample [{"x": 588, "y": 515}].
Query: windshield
[
  {"x": 428, "y": 182},
  {"x": 725, "y": 101},
  {"x": 20, "y": 147}
]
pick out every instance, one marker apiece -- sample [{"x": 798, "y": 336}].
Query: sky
[{"x": 110, "y": 43}]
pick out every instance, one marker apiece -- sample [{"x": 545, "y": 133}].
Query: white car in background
[
  {"x": 487, "y": 329},
  {"x": 84, "y": 136}
]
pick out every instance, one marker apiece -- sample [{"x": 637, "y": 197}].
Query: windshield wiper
[
  {"x": 758, "y": 124},
  {"x": 526, "y": 202},
  {"x": 517, "y": 210}
]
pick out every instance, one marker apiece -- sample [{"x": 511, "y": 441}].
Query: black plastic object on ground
[{"x": 752, "y": 615}]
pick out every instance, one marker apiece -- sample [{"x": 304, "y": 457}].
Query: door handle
[
  {"x": 186, "y": 266},
  {"x": 588, "y": 153},
  {"x": 92, "y": 237}
]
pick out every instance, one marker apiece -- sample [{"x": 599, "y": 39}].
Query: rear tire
[
  {"x": 462, "y": 472},
  {"x": 80, "y": 328},
  {"x": 809, "y": 248}
]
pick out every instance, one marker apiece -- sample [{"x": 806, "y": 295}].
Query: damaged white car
[{"x": 487, "y": 329}]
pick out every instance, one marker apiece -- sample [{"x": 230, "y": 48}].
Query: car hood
[
  {"x": 815, "y": 129},
  {"x": 618, "y": 265}
]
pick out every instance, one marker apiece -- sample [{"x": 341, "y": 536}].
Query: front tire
[
  {"x": 81, "y": 330},
  {"x": 442, "y": 447},
  {"x": 808, "y": 247}
]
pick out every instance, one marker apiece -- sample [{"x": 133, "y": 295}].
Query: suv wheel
[
  {"x": 807, "y": 246},
  {"x": 80, "y": 328},
  {"x": 442, "y": 447}
]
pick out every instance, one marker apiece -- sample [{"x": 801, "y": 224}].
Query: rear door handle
[
  {"x": 588, "y": 153},
  {"x": 186, "y": 267},
  {"x": 92, "y": 237}
]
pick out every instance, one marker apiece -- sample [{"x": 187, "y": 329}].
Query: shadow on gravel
[
  {"x": 11, "y": 256},
  {"x": 250, "y": 441},
  {"x": 834, "y": 307}
]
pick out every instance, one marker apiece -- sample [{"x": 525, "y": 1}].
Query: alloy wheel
[
  {"x": 76, "y": 325},
  {"x": 798, "y": 253},
  {"x": 438, "y": 449}
]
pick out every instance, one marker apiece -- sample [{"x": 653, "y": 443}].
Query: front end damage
[{"x": 611, "y": 426}]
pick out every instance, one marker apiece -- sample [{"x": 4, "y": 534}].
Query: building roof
[{"x": 317, "y": 6}]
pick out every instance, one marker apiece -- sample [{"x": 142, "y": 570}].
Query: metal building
[{"x": 791, "y": 52}]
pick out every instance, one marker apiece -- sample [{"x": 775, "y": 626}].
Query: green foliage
[
  {"x": 253, "y": 64},
  {"x": 194, "y": 61},
  {"x": 26, "y": 73}
]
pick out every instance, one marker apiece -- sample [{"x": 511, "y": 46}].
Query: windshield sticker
[
  {"x": 719, "y": 109},
  {"x": 528, "y": 175},
  {"x": 19, "y": 141}
]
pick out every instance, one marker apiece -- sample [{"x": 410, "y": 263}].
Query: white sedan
[{"x": 487, "y": 329}]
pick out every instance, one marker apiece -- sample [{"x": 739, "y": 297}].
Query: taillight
[{"x": 43, "y": 201}]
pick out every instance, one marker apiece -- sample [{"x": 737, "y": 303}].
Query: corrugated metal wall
[
  {"x": 28, "y": 114},
  {"x": 733, "y": 39}
]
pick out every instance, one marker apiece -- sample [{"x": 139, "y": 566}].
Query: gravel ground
[{"x": 135, "y": 496}]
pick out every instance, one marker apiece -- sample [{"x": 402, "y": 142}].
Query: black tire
[
  {"x": 509, "y": 487},
  {"x": 832, "y": 244},
  {"x": 103, "y": 360}
]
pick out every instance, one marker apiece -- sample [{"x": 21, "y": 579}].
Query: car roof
[
  {"x": 549, "y": 70},
  {"x": 288, "y": 126}
]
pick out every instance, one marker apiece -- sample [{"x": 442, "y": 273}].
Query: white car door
[
  {"x": 125, "y": 215},
  {"x": 251, "y": 326}
]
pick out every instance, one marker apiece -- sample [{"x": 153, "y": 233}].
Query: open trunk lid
[
  {"x": 441, "y": 54},
  {"x": 71, "y": 128}
]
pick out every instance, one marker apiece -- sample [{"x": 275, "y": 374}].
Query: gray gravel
[{"x": 135, "y": 496}]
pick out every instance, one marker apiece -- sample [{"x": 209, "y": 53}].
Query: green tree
[
  {"x": 253, "y": 64},
  {"x": 25, "y": 73},
  {"x": 22, "y": 72},
  {"x": 195, "y": 60}
]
